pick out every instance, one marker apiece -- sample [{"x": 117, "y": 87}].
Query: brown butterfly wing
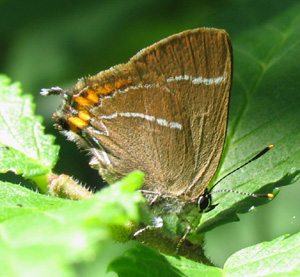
[{"x": 164, "y": 112}]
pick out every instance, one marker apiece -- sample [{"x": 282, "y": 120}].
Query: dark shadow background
[{"x": 53, "y": 43}]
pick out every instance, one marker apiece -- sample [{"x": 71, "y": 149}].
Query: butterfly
[{"x": 165, "y": 113}]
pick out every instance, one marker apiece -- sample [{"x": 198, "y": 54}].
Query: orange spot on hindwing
[
  {"x": 84, "y": 115},
  {"x": 109, "y": 88},
  {"x": 77, "y": 122},
  {"x": 87, "y": 98}
]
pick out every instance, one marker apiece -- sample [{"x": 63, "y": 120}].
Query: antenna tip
[
  {"x": 270, "y": 195},
  {"x": 271, "y": 146}
]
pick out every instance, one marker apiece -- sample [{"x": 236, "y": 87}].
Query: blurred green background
[{"x": 53, "y": 43}]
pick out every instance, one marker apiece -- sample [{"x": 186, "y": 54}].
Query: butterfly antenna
[{"x": 261, "y": 153}]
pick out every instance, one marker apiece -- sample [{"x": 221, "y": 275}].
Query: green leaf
[
  {"x": 55, "y": 237},
  {"x": 24, "y": 148},
  {"x": 143, "y": 261},
  {"x": 16, "y": 200},
  {"x": 279, "y": 257},
  {"x": 264, "y": 110}
]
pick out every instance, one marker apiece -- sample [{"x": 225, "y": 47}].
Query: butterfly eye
[{"x": 204, "y": 202}]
